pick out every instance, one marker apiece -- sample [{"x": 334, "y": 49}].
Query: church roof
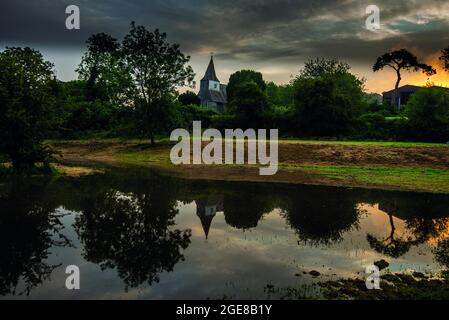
[
  {"x": 206, "y": 221},
  {"x": 210, "y": 202},
  {"x": 210, "y": 72},
  {"x": 219, "y": 96}
]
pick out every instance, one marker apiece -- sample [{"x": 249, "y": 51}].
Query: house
[
  {"x": 402, "y": 95},
  {"x": 212, "y": 93}
]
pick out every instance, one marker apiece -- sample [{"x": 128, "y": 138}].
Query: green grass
[
  {"x": 391, "y": 144},
  {"x": 422, "y": 179},
  {"x": 144, "y": 157},
  {"x": 166, "y": 141},
  {"x": 413, "y": 179}
]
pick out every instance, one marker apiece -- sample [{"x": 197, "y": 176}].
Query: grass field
[
  {"x": 382, "y": 165},
  {"x": 434, "y": 180}
]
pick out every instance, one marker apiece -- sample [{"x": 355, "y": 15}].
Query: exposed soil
[
  {"x": 343, "y": 155},
  {"x": 290, "y": 153},
  {"x": 92, "y": 152}
]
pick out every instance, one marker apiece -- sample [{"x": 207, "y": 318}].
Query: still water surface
[{"x": 137, "y": 235}]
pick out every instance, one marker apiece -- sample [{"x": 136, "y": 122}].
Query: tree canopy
[
  {"x": 189, "y": 98},
  {"x": 102, "y": 67},
  {"x": 157, "y": 68},
  {"x": 25, "y": 98},
  {"x": 328, "y": 97},
  {"x": 428, "y": 114},
  {"x": 240, "y": 77},
  {"x": 400, "y": 60}
]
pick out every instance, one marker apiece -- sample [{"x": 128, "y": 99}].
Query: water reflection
[
  {"x": 135, "y": 224},
  {"x": 206, "y": 209},
  {"x": 324, "y": 221},
  {"x": 29, "y": 227},
  {"x": 132, "y": 232},
  {"x": 420, "y": 226}
]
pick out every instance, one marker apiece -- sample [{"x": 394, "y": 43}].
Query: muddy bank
[{"x": 300, "y": 163}]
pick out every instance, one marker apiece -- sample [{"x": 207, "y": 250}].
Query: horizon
[{"x": 274, "y": 37}]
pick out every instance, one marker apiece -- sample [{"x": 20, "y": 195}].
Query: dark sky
[{"x": 271, "y": 36}]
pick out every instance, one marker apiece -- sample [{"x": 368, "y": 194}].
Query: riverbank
[
  {"x": 393, "y": 286},
  {"x": 388, "y": 166}
]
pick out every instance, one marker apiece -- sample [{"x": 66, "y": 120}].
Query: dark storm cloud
[{"x": 243, "y": 30}]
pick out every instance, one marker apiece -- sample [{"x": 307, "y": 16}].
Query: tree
[
  {"x": 400, "y": 60},
  {"x": 445, "y": 58},
  {"x": 135, "y": 235},
  {"x": 25, "y": 100},
  {"x": 157, "y": 68},
  {"x": 189, "y": 98},
  {"x": 328, "y": 98},
  {"x": 428, "y": 114},
  {"x": 280, "y": 95},
  {"x": 240, "y": 77},
  {"x": 391, "y": 245},
  {"x": 103, "y": 69},
  {"x": 249, "y": 103},
  {"x": 321, "y": 67},
  {"x": 322, "y": 224}
]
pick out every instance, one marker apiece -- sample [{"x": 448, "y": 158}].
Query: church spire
[{"x": 210, "y": 72}]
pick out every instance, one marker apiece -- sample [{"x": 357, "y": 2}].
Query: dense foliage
[
  {"x": 428, "y": 114},
  {"x": 328, "y": 98},
  {"x": 129, "y": 89},
  {"x": 26, "y": 84}
]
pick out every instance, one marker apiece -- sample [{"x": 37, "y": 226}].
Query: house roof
[
  {"x": 409, "y": 88},
  {"x": 210, "y": 72},
  {"x": 405, "y": 88}
]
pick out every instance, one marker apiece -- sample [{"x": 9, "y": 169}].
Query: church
[{"x": 212, "y": 93}]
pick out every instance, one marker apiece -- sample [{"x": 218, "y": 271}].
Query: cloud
[{"x": 258, "y": 33}]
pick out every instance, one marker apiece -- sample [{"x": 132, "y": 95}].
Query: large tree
[
  {"x": 400, "y": 60},
  {"x": 243, "y": 76},
  {"x": 26, "y": 82},
  {"x": 328, "y": 97},
  {"x": 249, "y": 104},
  {"x": 157, "y": 68},
  {"x": 103, "y": 69}
]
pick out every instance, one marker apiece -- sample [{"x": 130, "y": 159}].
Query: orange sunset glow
[{"x": 384, "y": 80}]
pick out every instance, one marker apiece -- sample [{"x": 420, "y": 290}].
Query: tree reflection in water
[
  {"x": 126, "y": 221},
  {"x": 243, "y": 210},
  {"x": 419, "y": 228},
  {"x": 132, "y": 233},
  {"x": 29, "y": 226},
  {"x": 321, "y": 219}
]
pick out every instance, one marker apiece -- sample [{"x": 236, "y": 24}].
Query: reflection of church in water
[{"x": 207, "y": 208}]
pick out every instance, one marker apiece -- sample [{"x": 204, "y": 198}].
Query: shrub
[
  {"x": 371, "y": 126},
  {"x": 428, "y": 114}
]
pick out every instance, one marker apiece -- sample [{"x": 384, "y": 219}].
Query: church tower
[
  {"x": 206, "y": 209},
  {"x": 212, "y": 93}
]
